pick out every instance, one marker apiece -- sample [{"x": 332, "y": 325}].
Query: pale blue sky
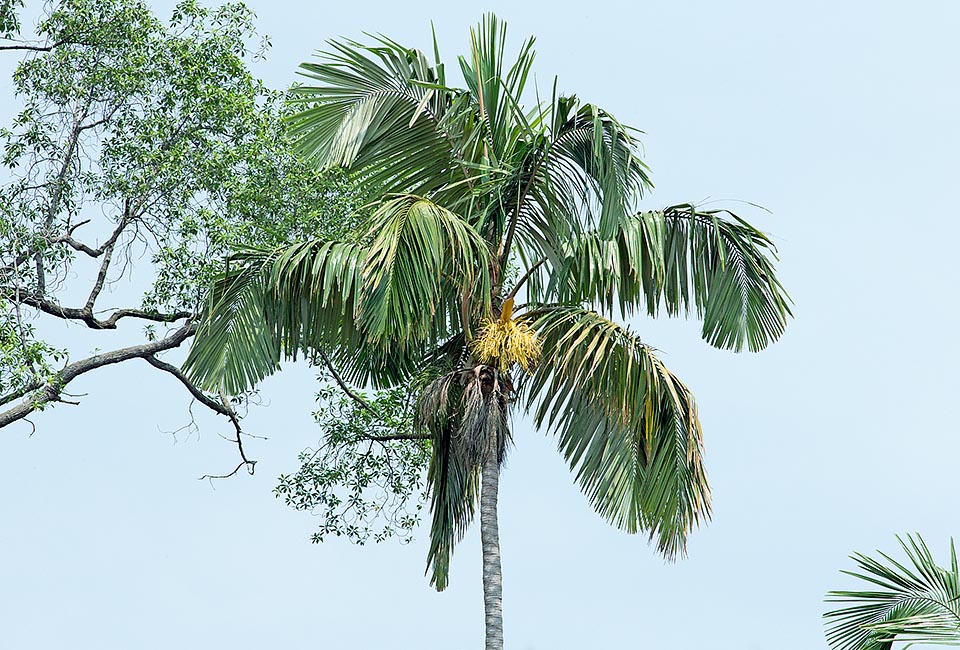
[{"x": 840, "y": 117}]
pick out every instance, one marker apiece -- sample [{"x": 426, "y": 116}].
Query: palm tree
[
  {"x": 479, "y": 204},
  {"x": 918, "y": 604}
]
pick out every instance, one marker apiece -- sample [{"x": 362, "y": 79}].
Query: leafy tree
[
  {"x": 914, "y": 604},
  {"x": 480, "y": 204},
  {"x": 140, "y": 150}
]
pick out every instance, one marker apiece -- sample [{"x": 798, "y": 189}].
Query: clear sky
[{"x": 842, "y": 118}]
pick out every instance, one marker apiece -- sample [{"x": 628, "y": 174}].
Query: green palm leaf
[
  {"x": 233, "y": 348},
  {"x": 270, "y": 304},
  {"x": 915, "y": 604},
  {"x": 686, "y": 261},
  {"x": 422, "y": 259},
  {"x": 382, "y": 111},
  {"x": 588, "y": 175},
  {"x": 626, "y": 425},
  {"x": 375, "y": 307},
  {"x": 723, "y": 268}
]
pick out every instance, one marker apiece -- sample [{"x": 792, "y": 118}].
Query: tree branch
[
  {"x": 398, "y": 436},
  {"x": 86, "y": 314},
  {"x": 55, "y": 196},
  {"x": 50, "y": 392},
  {"x": 199, "y": 395},
  {"x": 68, "y": 239},
  {"x": 37, "y": 48},
  {"x": 346, "y": 389},
  {"x": 222, "y": 407}
]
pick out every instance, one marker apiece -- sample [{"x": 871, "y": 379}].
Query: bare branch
[
  {"x": 222, "y": 407},
  {"x": 235, "y": 470},
  {"x": 198, "y": 394},
  {"x": 103, "y": 248},
  {"x": 50, "y": 392},
  {"x": 107, "y": 249},
  {"x": 157, "y": 317},
  {"x": 23, "y": 46},
  {"x": 346, "y": 389},
  {"x": 86, "y": 314}
]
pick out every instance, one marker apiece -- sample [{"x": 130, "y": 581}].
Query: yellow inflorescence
[{"x": 504, "y": 342}]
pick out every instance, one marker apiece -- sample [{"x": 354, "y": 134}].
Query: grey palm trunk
[{"x": 490, "y": 542}]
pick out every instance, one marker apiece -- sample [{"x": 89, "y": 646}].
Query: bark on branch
[
  {"x": 86, "y": 314},
  {"x": 50, "y": 392}
]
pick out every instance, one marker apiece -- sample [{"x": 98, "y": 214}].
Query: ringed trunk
[{"x": 490, "y": 541}]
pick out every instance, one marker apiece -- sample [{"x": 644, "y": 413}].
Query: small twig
[
  {"x": 235, "y": 470},
  {"x": 397, "y": 436}
]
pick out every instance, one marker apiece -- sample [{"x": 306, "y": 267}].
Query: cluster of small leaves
[
  {"x": 9, "y": 20},
  {"x": 24, "y": 360},
  {"x": 362, "y": 488}
]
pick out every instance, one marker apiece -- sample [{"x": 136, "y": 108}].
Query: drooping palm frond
[
  {"x": 599, "y": 156},
  {"x": 723, "y": 267},
  {"x": 271, "y": 304},
  {"x": 626, "y": 425},
  {"x": 625, "y": 271},
  {"x": 374, "y": 307},
  {"x": 709, "y": 263},
  {"x": 915, "y": 604}
]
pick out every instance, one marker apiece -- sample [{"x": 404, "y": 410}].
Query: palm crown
[{"x": 479, "y": 203}]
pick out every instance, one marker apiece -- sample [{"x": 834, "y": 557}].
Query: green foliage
[
  {"x": 916, "y": 603},
  {"x": 361, "y": 488},
  {"x": 24, "y": 360},
  {"x": 155, "y": 135},
  {"x": 685, "y": 261},
  {"x": 9, "y": 19},
  {"x": 636, "y": 448}
]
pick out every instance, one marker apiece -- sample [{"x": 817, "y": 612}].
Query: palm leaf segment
[
  {"x": 915, "y": 603},
  {"x": 466, "y": 185}
]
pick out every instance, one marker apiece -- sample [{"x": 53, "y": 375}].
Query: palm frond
[
  {"x": 724, "y": 267},
  {"x": 626, "y": 425},
  {"x": 465, "y": 413},
  {"x": 915, "y": 604},
  {"x": 496, "y": 94},
  {"x": 383, "y": 111},
  {"x": 270, "y": 304},
  {"x": 234, "y": 348},
  {"x": 709, "y": 263},
  {"x": 422, "y": 260}
]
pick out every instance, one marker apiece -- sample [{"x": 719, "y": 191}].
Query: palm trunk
[{"x": 490, "y": 541}]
